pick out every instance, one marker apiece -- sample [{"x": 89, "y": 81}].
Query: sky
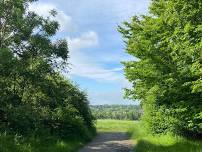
[{"x": 96, "y": 47}]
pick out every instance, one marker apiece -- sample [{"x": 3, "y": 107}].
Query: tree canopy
[{"x": 166, "y": 76}]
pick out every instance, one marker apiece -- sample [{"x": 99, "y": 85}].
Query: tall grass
[
  {"x": 16, "y": 143},
  {"x": 146, "y": 142}
]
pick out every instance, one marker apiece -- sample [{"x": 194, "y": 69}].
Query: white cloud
[
  {"x": 96, "y": 72},
  {"x": 43, "y": 9},
  {"x": 88, "y": 39},
  {"x": 113, "y": 11},
  {"x": 84, "y": 65}
]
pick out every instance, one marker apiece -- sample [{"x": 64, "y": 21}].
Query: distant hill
[{"x": 119, "y": 112}]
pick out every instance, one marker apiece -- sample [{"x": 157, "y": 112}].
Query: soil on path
[{"x": 109, "y": 142}]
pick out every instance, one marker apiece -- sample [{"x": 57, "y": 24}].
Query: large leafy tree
[
  {"x": 34, "y": 96},
  {"x": 166, "y": 76},
  {"x": 25, "y": 41}
]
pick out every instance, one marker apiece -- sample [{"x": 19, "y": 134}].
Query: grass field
[
  {"x": 114, "y": 125},
  {"x": 146, "y": 142}
]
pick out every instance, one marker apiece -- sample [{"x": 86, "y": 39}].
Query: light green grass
[
  {"x": 46, "y": 144},
  {"x": 165, "y": 143},
  {"x": 114, "y": 125}
]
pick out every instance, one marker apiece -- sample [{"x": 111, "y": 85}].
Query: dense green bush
[
  {"x": 35, "y": 98},
  {"x": 166, "y": 75}
]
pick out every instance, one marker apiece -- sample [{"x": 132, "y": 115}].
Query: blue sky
[{"x": 96, "y": 48}]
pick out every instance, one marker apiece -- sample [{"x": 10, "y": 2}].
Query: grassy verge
[
  {"x": 164, "y": 143},
  {"x": 43, "y": 144},
  {"x": 114, "y": 125}
]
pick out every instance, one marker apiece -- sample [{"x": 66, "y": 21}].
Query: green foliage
[
  {"x": 166, "y": 76},
  {"x": 35, "y": 99},
  {"x": 15, "y": 143},
  {"x": 119, "y": 112}
]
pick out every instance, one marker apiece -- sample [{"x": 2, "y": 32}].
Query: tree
[
  {"x": 166, "y": 77},
  {"x": 35, "y": 98}
]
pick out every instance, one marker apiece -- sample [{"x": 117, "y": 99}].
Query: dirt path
[{"x": 109, "y": 142}]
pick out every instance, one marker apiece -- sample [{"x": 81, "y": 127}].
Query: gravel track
[{"x": 109, "y": 142}]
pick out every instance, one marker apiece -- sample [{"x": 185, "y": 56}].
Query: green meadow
[
  {"x": 107, "y": 125},
  {"x": 146, "y": 142}
]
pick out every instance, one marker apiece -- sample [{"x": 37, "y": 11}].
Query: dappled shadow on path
[{"x": 109, "y": 142}]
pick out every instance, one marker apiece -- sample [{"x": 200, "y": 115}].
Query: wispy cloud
[
  {"x": 84, "y": 65},
  {"x": 43, "y": 9},
  {"x": 86, "y": 40}
]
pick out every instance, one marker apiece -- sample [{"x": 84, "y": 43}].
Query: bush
[{"x": 35, "y": 98}]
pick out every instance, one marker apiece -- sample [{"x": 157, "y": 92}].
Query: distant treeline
[{"x": 120, "y": 112}]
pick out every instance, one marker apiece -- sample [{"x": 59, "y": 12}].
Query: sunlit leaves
[{"x": 167, "y": 43}]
